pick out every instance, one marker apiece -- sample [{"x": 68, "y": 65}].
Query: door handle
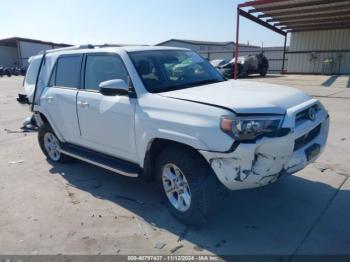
[
  {"x": 83, "y": 104},
  {"x": 49, "y": 99}
]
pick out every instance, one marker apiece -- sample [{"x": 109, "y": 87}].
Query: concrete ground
[{"x": 82, "y": 209}]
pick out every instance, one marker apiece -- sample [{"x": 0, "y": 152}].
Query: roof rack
[
  {"x": 109, "y": 45},
  {"x": 77, "y": 47},
  {"x": 66, "y": 48}
]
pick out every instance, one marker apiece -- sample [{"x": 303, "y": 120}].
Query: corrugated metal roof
[
  {"x": 302, "y": 15},
  {"x": 13, "y": 40},
  {"x": 197, "y": 42}
]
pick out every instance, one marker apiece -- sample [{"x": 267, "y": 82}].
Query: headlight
[{"x": 249, "y": 128}]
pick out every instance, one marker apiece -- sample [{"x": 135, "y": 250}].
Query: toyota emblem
[{"x": 312, "y": 114}]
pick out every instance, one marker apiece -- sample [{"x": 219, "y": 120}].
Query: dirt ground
[{"x": 82, "y": 209}]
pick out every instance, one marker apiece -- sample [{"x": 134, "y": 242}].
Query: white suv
[{"x": 167, "y": 114}]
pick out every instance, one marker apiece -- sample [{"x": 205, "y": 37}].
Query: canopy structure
[{"x": 287, "y": 16}]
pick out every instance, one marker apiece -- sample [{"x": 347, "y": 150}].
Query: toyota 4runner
[{"x": 167, "y": 114}]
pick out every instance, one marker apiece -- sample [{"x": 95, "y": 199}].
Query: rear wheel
[
  {"x": 263, "y": 71},
  {"x": 50, "y": 145},
  {"x": 187, "y": 184}
]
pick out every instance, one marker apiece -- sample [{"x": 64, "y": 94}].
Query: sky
[{"x": 129, "y": 21}]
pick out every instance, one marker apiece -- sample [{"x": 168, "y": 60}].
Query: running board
[{"x": 98, "y": 159}]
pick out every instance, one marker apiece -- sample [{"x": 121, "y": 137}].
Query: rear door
[
  {"x": 106, "y": 122},
  {"x": 59, "y": 99}
]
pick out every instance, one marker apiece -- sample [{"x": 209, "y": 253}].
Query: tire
[
  {"x": 263, "y": 71},
  {"x": 200, "y": 178},
  {"x": 241, "y": 72},
  {"x": 45, "y": 135}
]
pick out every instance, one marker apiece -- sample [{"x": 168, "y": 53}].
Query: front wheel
[{"x": 187, "y": 185}]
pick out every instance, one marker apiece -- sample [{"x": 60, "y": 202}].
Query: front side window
[
  {"x": 166, "y": 70},
  {"x": 100, "y": 68},
  {"x": 67, "y": 72}
]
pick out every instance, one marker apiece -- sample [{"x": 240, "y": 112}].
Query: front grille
[
  {"x": 304, "y": 115},
  {"x": 307, "y": 138}
]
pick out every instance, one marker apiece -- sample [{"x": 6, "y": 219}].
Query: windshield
[{"x": 166, "y": 70}]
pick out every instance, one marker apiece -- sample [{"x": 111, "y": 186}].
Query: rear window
[
  {"x": 32, "y": 71},
  {"x": 67, "y": 72}
]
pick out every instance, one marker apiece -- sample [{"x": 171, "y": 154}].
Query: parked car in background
[
  {"x": 12, "y": 71},
  {"x": 167, "y": 114},
  {"x": 22, "y": 71},
  {"x": 15, "y": 71},
  {"x": 218, "y": 62},
  {"x": 8, "y": 71},
  {"x": 250, "y": 64}
]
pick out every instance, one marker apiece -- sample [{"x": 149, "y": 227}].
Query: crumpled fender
[{"x": 41, "y": 110}]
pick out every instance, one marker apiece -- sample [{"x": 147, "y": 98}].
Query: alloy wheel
[
  {"x": 176, "y": 187},
  {"x": 52, "y": 146}
]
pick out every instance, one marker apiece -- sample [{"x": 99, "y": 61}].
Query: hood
[{"x": 243, "y": 97}]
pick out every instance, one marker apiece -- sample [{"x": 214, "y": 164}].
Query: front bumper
[{"x": 261, "y": 163}]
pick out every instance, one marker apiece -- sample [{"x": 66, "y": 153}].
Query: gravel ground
[{"x": 82, "y": 209}]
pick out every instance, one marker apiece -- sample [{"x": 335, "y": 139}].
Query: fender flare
[
  {"x": 148, "y": 137},
  {"x": 39, "y": 110}
]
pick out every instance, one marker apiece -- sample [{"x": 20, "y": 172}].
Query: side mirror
[{"x": 114, "y": 87}]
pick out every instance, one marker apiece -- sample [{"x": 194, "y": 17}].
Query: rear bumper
[{"x": 261, "y": 163}]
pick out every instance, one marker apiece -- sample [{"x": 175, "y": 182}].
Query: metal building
[
  {"x": 320, "y": 52},
  {"x": 16, "y": 51},
  {"x": 319, "y": 31}
]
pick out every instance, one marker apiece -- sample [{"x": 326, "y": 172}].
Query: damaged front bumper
[{"x": 261, "y": 163}]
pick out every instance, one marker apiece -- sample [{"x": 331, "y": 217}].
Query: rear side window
[
  {"x": 32, "y": 72},
  {"x": 67, "y": 73},
  {"x": 100, "y": 68}
]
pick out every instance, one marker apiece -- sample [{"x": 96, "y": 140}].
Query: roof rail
[
  {"x": 89, "y": 46},
  {"x": 77, "y": 47},
  {"x": 114, "y": 45},
  {"x": 108, "y": 45}
]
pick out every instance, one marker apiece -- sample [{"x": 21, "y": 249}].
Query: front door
[{"x": 106, "y": 122}]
